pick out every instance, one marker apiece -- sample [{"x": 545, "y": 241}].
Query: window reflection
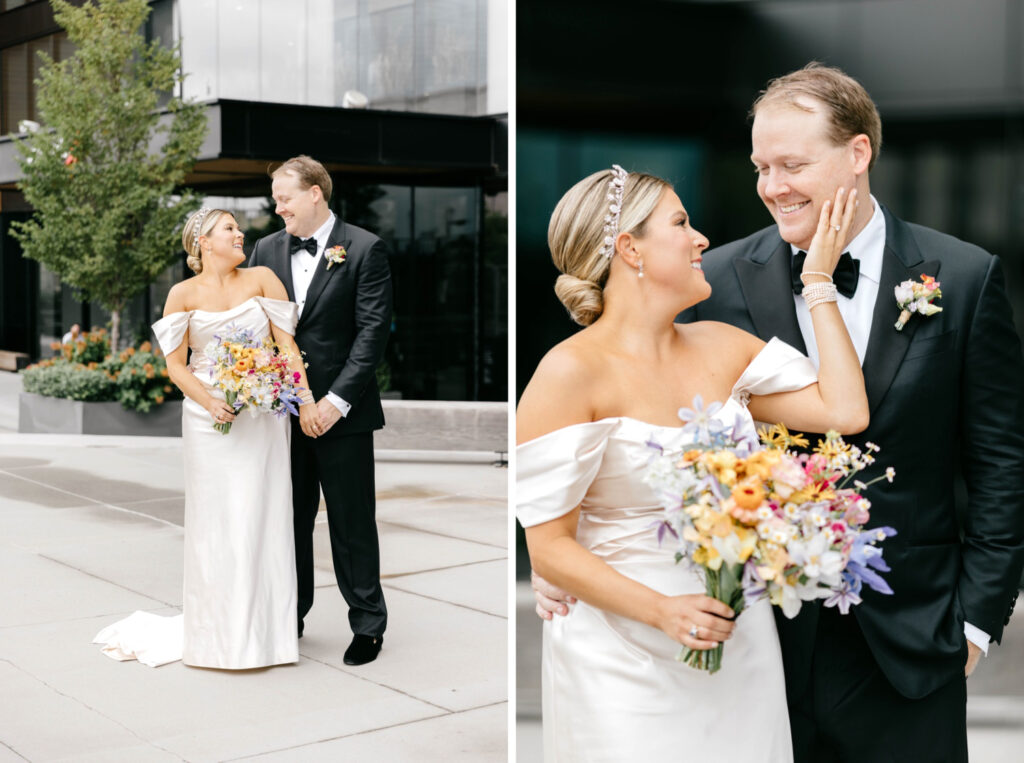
[{"x": 20, "y": 67}]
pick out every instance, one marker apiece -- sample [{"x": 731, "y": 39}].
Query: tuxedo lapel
[
  {"x": 767, "y": 289},
  {"x": 282, "y": 265},
  {"x": 901, "y": 261},
  {"x": 324, "y": 274}
]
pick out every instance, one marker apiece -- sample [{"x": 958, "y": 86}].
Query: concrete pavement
[{"x": 90, "y": 531}]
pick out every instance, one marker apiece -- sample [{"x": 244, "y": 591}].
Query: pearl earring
[{"x": 641, "y": 266}]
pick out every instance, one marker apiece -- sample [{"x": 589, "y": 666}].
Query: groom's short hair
[
  {"x": 851, "y": 110},
  {"x": 309, "y": 171}
]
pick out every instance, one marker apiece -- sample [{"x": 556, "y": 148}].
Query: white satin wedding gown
[
  {"x": 612, "y": 689},
  {"x": 239, "y": 607}
]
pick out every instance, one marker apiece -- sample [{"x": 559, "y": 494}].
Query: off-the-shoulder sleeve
[
  {"x": 779, "y": 367},
  {"x": 281, "y": 313},
  {"x": 170, "y": 330},
  {"x": 553, "y": 472}
]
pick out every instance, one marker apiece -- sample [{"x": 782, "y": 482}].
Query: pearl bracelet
[
  {"x": 814, "y": 273},
  {"x": 305, "y": 397},
  {"x": 819, "y": 293}
]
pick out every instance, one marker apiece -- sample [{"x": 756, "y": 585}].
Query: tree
[{"x": 103, "y": 172}]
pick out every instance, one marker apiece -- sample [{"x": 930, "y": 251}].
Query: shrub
[
  {"x": 136, "y": 378},
  {"x": 91, "y": 347},
  {"x": 69, "y": 381},
  {"x": 141, "y": 378}
]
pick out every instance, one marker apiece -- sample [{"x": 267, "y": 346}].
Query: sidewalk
[{"x": 90, "y": 531}]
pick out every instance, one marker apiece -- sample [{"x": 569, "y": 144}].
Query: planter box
[
  {"x": 443, "y": 425},
  {"x": 52, "y": 415}
]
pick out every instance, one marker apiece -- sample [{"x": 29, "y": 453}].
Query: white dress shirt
[
  {"x": 304, "y": 267},
  {"x": 868, "y": 247}
]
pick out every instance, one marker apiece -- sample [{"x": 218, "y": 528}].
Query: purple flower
[
  {"x": 869, "y": 576},
  {"x": 865, "y": 553},
  {"x": 754, "y": 586},
  {"x": 844, "y": 597},
  {"x": 699, "y": 420},
  {"x": 665, "y": 527}
]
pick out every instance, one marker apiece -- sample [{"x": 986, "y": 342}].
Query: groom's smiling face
[
  {"x": 799, "y": 166},
  {"x": 296, "y": 205}
]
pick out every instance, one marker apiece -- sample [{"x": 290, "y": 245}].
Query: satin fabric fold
[{"x": 612, "y": 688}]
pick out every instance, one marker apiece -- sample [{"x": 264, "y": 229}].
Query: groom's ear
[{"x": 317, "y": 193}]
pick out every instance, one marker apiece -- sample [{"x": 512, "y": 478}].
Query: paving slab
[
  {"x": 41, "y": 590},
  {"x": 441, "y": 653},
  {"x": 449, "y": 585},
  {"x": 471, "y": 517},
  {"x": 149, "y": 564},
  {"x": 32, "y": 710},
  {"x": 454, "y": 738}
]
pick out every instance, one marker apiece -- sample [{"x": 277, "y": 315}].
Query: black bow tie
[
  {"x": 296, "y": 244},
  {"x": 845, "y": 277}
]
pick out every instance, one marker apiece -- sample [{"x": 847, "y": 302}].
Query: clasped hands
[
  {"x": 317, "y": 419},
  {"x": 314, "y": 419}
]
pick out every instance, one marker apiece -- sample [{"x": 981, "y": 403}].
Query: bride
[
  {"x": 239, "y": 604},
  {"x": 612, "y": 689}
]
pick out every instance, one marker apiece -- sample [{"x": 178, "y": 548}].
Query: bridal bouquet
[
  {"x": 253, "y": 373},
  {"x": 762, "y": 520}
]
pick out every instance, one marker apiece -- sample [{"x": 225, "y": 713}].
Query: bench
[{"x": 13, "y": 361}]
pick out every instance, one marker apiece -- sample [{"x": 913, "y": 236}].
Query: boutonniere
[
  {"x": 913, "y": 297},
  {"x": 336, "y": 254}
]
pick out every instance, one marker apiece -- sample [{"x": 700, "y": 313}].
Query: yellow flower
[
  {"x": 778, "y": 436},
  {"x": 832, "y": 447},
  {"x": 760, "y": 464}
]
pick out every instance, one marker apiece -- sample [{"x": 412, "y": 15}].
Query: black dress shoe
[{"x": 363, "y": 649}]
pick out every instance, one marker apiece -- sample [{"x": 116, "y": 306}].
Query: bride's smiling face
[
  {"x": 224, "y": 241},
  {"x": 671, "y": 250}
]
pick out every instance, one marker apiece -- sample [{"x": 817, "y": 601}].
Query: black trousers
[
  {"x": 343, "y": 467},
  {"x": 850, "y": 711}
]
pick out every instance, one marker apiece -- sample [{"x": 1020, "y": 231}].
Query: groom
[
  {"x": 887, "y": 682},
  {"x": 338, "y": 275}
]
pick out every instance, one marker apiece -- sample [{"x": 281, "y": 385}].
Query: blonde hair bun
[{"x": 582, "y": 298}]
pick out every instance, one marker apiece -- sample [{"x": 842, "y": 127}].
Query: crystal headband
[
  {"x": 611, "y": 220},
  {"x": 201, "y": 215}
]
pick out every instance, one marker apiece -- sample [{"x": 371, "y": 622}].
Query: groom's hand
[
  {"x": 550, "y": 599},
  {"x": 973, "y": 655},
  {"x": 329, "y": 415}
]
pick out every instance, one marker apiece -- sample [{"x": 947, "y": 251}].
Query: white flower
[
  {"x": 819, "y": 563},
  {"x": 904, "y": 293}
]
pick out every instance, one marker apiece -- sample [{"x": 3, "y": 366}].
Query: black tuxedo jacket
[
  {"x": 344, "y": 325},
  {"x": 946, "y": 400}
]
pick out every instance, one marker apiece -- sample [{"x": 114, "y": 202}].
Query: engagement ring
[
  {"x": 694, "y": 631},
  {"x": 838, "y": 228}
]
